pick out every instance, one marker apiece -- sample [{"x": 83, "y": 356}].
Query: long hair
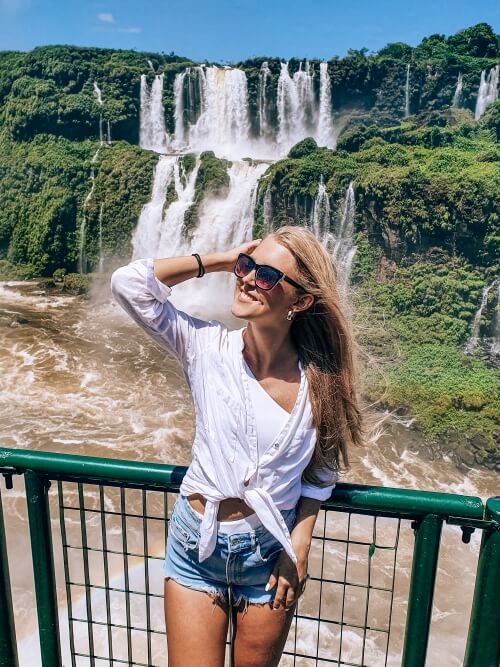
[{"x": 325, "y": 344}]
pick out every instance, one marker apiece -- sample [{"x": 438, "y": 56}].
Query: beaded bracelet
[{"x": 201, "y": 268}]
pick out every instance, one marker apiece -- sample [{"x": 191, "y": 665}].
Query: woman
[{"x": 276, "y": 409}]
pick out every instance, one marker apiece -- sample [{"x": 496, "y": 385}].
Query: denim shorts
[{"x": 240, "y": 561}]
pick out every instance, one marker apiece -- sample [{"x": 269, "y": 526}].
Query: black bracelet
[{"x": 201, "y": 268}]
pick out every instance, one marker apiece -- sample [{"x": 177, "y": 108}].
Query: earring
[{"x": 290, "y": 315}]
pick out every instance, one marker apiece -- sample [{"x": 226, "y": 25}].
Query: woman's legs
[
  {"x": 196, "y": 627},
  {"x": 261, "y": 635}
]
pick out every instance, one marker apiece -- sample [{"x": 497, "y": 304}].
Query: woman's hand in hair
[
  {"x": 289, "y": 580},
  {"x": 230, "y": 256}
]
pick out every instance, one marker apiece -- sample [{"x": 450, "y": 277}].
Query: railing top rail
[{"x": 357, "y": 497}]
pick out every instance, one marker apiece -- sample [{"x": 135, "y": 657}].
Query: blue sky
[{"x": 230, "y": 30}]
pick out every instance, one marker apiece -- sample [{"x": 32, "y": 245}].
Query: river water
[{"x": 78, "y": 377}]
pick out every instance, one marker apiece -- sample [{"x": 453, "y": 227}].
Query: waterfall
[
  {"x": 101, "y": 257},
  {"x": 325, "y": 135},
  {"x": 321, "y": 213},
  {"x": 211, "y": 112},
  {"x": 147, "y": 235},
  {"x": 295, "y": 102},
  {"x": 458, "y": 92},
  {"x": 98, "y": 96},
  {"x": 488, "y": 90},
  {"x": 473, "y": 341},
  {"x": 223, "y": 223},
  {"x": 150, "y": 65},
  {"x": 344, "y": 248},
  {"x": 263, "y": 122},
  {"x": 82, "y": 259},
  {"x": 267, "y": 211},
  {"x": 97, "y": 93},
  {"x": 407, "y": 91},
  {"x": 495, "y": 346},
  {"x": 152, "y": 116},
  {"x": 179, "y": 108},
  {"x": 224, "y": 121},
  {"x": 109, "y": 133}
]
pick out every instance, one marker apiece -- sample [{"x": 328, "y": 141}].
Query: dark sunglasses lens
[
  {"x": 244, "y": 265},
  {"x": 266, "y": 277}
]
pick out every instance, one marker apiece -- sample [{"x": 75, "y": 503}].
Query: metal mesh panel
[{"x": 113, "y": 543}]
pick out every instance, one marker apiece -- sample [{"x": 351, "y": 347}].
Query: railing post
[
  {"x": 8, "y": 647},
  {"x": 43, "y": 568},
  {"x": 483, "y": 642},
  {"x": 423, "y": 576}
]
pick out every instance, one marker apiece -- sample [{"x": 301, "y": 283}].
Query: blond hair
[{"x": 325, "y": 345}]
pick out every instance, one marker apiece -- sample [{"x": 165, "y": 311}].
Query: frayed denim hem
[{"x": 221, "y": 597}]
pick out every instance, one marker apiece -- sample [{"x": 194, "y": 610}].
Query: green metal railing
[{"x": 100, "y": 530}]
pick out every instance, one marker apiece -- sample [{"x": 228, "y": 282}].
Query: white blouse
[{"x": 225, "y": 461}]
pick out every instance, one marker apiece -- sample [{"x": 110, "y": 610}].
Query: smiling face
[{"x": 252, "y": 303}]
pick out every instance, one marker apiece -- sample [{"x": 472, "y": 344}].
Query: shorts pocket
[
  {"x": 183, "y": 533},
  {"x": 267, "y": 549}
]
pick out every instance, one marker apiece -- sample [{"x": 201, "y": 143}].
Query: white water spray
[
  {"x": 325, "y": 135},
  {"x": 344, "y": 248},
  {"x": 321, "y": 213},
  {"x": 458, "y": 92},
  {"x": 264, "y": 73},
  {"x": 473, "y": 341},
  {"x": 488, "y": 90},
  {"x": 407, "y": 91},
  {"x": 152, "y": 120},
  {"x": 495, "y": 346}
]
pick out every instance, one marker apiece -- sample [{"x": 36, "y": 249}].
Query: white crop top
[{"x": 270, "y": 418}]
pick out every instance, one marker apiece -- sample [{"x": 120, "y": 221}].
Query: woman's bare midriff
[{"x": 230, "y": 509}]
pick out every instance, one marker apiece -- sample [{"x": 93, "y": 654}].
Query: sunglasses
[{"x": 266, "y": 277}]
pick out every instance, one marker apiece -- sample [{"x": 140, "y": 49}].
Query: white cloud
[
  {"x": 134, "y": 29},
  {"x": 105, "y": 17}
]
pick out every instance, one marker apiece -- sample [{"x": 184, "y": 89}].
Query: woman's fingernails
[{"x": 268, "y": 587}]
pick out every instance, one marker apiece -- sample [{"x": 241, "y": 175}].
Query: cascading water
[
  {"x": 473, "y": 341},
  {"x": 325, "y": 135},
  {"x": 223, "y": 223},
  {"x": 101, "y": 256},
  {"x": 264, "y": 73},
  {"x": 97, "y": 93},
  {"x": 98, "y": 96},
  {"x": 407, "y": 91},
  {"x": 223, "y": 123},
  {"x": 82, "y": 259},
  {"x": 488, "y": 90},
  {"x": 152, "y": 117},
  {"x": 458, "y": 92},
  {"x": 148, "y": 231},
  {"x": 267, "y": 211},
  {"x": 344, "y": 248},
  {"x": 320, "y": 221},
  {"x": 211, "y": 111},
  {"x": 295, "y": 102},
  {"x": 495, "y": 346},
  {"x": 179, "y": 139}
]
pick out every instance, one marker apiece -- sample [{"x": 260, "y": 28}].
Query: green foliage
[
  {"x": 76, "y": 283},
  {"x": 58, "y": 275},
  {"x": 447, "y": 390},
  {"x": 479, "y": 41},
  {"x": 44, "y": 185},
  {"x": 303, "y": 148}
]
